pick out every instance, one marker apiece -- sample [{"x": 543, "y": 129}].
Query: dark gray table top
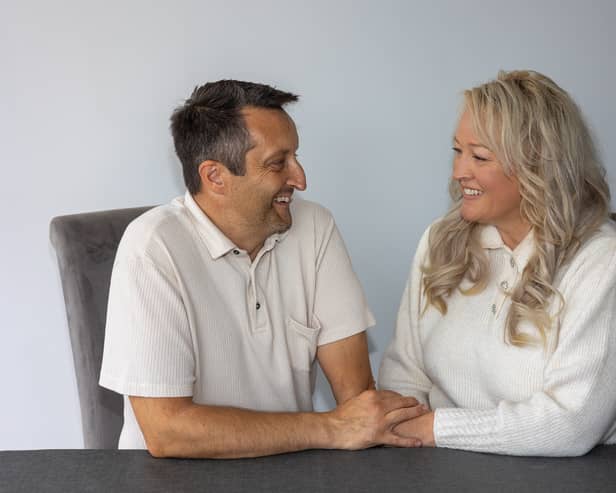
[{"x": 380, "y": 469}]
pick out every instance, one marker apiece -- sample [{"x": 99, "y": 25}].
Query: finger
[
  {"x": 422, "y": 409},
  {"x": 397, "y": 416},
  {"x": 389, "y": 404},
  {"x": 388, "y": 393},
  {"x": 394, "y": 440}
]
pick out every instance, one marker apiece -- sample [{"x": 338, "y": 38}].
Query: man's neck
[{"x": 241, "y": 233}]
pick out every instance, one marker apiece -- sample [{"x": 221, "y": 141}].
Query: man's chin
[
  {"x": 282, "y": 224},
  {"x": 281, "y": 227}
]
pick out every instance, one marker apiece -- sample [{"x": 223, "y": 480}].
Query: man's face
[{"x": 261, "y": 197}]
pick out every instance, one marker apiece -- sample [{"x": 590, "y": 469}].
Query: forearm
[
  {"x": 198, "y": 431},
  {"x": 538, "y": 427},
  {"x": 176, "y": 427},
  {"x": 510, "y": 428}
]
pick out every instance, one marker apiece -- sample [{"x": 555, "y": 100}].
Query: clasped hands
[{"x": 382, "y": 417}]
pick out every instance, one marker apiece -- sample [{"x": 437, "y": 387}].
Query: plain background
[{"x": 86, "y": 90}]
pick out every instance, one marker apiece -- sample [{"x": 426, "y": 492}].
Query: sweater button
[
  {"x": 494, "y": 308},
  {"x": 258, "y": 305}
]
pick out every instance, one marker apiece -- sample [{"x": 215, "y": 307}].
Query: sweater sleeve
[
  {"x": 576, "y": 408},
  {"x": 402, "y": 365}
]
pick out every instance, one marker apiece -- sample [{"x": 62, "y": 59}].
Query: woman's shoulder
[
  {"x": 603, "y": 240},
  {"x": 423, "y": 245},
  {"x": 596, "y": 256}
]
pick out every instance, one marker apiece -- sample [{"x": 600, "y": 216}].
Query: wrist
[
  {"x": 323, "y": 430},
  {"x": 428, "y": 435}
]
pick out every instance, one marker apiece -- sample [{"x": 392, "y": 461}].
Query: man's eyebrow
[{"x": 279, "y": 152}]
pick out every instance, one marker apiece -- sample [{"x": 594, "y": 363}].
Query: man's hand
[
  {"x": 370, "y": 418},
  {"x": 421, "y": 427}
]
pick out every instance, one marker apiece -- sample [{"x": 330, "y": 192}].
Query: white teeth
[
  {"x": 471, "y": 191},
  {"x": 283, "y": 199}
]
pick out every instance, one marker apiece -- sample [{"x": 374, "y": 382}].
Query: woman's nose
[{"x": 462, "y": 168}]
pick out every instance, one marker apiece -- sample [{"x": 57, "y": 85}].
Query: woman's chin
[{"x": 468, "y": 216}]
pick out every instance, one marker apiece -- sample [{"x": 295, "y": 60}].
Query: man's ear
[{"x": 213, "y": 174}]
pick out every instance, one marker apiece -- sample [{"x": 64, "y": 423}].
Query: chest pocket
[{"x": 301, "y": 344}]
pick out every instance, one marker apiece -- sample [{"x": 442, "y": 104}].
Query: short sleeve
[
  {"x": 340, "y": 304},
  {"x": 148, "y": 345}
]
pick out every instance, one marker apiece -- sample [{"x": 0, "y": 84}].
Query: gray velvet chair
[{"x": 86, "y": 246}]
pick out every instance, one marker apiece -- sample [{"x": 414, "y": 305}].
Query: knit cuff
[{"x": 470, "y": 429}]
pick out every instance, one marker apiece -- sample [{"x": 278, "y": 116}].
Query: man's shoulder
[{"x": 145, "y": 234}]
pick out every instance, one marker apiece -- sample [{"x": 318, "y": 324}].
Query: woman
[{"x": 507, "y": 327}]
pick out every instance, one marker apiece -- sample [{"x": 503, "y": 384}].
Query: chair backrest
[{"x": 86, "y": 245}]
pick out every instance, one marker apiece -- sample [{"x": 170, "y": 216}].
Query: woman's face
[{"x": 489, "y": 195}]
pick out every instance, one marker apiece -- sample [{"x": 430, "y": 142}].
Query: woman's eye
[
  {"x": 456, "y": 150},
  {"x": 479, "y": 158}
]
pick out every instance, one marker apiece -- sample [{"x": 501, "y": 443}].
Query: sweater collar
[{"x": 490, "y": 239}]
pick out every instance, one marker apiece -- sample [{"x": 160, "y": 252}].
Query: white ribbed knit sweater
[{"x": 490, "y": 396}]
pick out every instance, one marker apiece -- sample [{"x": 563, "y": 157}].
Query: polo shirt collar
[
  {"x": 215, "y": 240},
  {"x": 490, "y": 239}
]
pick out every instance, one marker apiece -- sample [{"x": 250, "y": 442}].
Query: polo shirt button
[
  {"x": 494, "y": 309},
  {"x": 258, "y": 305},
  {"x": 512, "y": 262},
  {"x": 236, "y": 251},
  {"x": 504, "y": 284}
]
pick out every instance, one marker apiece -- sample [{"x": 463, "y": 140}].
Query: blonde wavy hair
[{"x": 538, "y": 134}]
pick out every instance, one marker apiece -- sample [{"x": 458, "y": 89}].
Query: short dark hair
[{"x": 209, "y": 125}]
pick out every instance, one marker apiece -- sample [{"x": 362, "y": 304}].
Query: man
[{"x": 221, "y": 301}]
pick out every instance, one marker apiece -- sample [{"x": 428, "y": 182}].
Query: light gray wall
[{"x": 86, "y": 89}]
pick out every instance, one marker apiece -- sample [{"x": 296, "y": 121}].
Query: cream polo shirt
[
  {"x": 189, "y": 314},
  {"x": 490, "y": 396}
]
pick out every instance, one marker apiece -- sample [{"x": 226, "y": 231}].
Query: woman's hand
[{"x": 421, "y": 427}]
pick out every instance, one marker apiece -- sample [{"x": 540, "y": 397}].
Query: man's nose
[{"x": 297, "y": 177}]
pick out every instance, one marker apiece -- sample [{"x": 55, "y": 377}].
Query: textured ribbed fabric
[
  {"x": 190, "y": 315},
  {"x": 490, "y": 396}
]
